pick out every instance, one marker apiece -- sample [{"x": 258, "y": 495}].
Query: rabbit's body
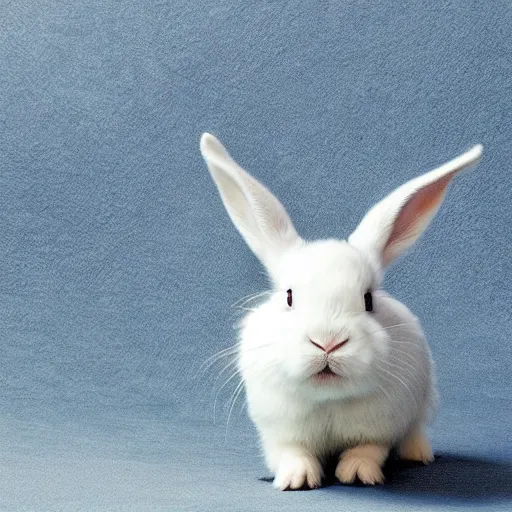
[
  {"x": 331, "y": 364},
  {"x": 385, "y": 413}
]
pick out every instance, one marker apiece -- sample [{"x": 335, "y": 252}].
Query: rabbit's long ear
[
  {"x": 259, "y": 217},
  {"x": 397, "y": 221}
]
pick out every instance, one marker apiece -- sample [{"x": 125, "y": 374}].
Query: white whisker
[
  {"x": 394, "y": 326},
  {"x": 381, "y": 388},
  {"x": 220, "y": 352},
  {"x": 237, "y": 372},
  {"x": 230, "y": 351},
  {"x": 396, "y": 350},
  {"x": 244, "y": 405},
  {"x": 248, "y": 298},
  {"x": 407, "y": 341},
  {"x": 217, "y": 357},
  {"x": 415, "y": 369},
  {"x": 414, "y": 376},
  {"x": 399, "y": 380},
  {"x": 236, "y": 393},
  {"x": 231, "y": 363}
]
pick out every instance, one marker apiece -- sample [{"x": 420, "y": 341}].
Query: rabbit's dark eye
[
  {"x": 289, "y": 298},
  {"x": 368, "y": 301}
]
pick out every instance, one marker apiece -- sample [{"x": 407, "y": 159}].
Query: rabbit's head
[{"x": 321, "y": 326}]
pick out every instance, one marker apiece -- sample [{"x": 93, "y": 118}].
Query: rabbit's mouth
[{"x": 326, "y": 376}]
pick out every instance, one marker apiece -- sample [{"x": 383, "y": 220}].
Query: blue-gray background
[{"x": 119, "y": 264}]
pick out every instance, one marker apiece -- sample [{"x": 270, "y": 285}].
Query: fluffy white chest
[{"x": 332, "y": 426}]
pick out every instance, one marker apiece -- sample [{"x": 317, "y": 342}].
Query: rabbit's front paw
[
  {"x": 416, "y": 447},
  {"x": 296, "y": 471},
  {"x": 363, "y": 463}
]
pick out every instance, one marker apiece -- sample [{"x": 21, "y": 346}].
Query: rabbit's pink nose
[{"x": 331, "y": 346}]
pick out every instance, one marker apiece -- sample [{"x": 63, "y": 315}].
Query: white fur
[{"x": 386, "y": 388}]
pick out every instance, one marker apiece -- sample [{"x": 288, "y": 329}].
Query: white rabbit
[{"x": 331, "y": 365}]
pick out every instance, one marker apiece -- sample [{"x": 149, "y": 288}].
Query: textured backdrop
[{"x": 119, "y": 263}]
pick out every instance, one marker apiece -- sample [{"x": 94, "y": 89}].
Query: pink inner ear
[{"x": 416, "y": 211}]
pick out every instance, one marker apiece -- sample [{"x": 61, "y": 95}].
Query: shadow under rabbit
[{"x": 449, "y": 476}]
